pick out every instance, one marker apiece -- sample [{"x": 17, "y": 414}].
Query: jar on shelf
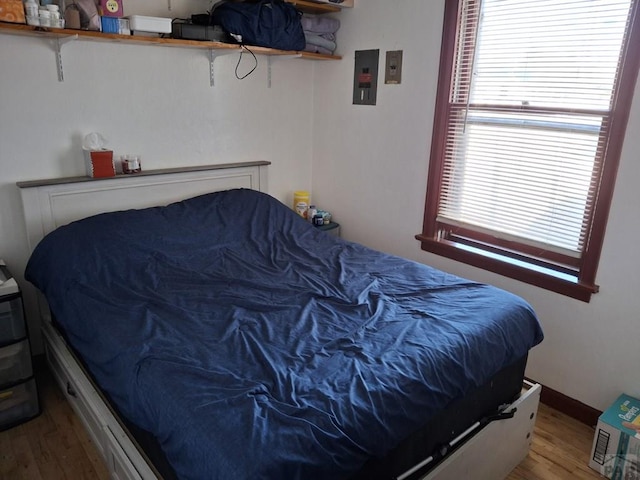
[
  {"x": 312, "y": 213},
  {"x": 31, "y": 8},
  {"x": 131, "y": 164},
  {"x": 45, "y": 17},
  {"x": 54, "y": 15}
]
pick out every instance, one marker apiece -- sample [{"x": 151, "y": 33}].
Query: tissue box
[
  {"x": 99, "y": 163},
  {"x": 12, "y": 11},
  {"x": 616, "y": 445},
  {"x": 110, "y": 8}
]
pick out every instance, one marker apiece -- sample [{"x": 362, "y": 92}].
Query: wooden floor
[
  {"x": 560, "y": 449},
  {"x": 55, "y": 446},
  {"x": 51, "y": 446}
]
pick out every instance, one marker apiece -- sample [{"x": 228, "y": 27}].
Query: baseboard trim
[{"x": 569, "y": 406}]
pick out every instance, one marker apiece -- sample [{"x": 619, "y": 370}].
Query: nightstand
[
  {"x": 18, "y": 391},
  {"x": 332, "y": 228}
]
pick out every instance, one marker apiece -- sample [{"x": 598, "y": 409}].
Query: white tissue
[{"x": 94, "y": 141}]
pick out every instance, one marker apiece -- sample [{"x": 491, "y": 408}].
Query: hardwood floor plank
[
  {"x": 8, "y": 462},
  {"x": 26, "y": 466},
  {"x": 559, "y": 451},
  {"x": 53, "y": 446}
]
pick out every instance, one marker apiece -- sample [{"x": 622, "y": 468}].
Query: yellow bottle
[{"x": 301, "y": 202}]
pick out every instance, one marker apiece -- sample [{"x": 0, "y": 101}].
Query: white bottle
[
  {"x": 45, "y": 17},
  {"x": 311, "y": 213},
  {"x": 54, "y": 13},
  {"x": 31, "y": 9}
]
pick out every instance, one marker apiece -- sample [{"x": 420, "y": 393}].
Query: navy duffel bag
[{"x": 266, "y": 23}]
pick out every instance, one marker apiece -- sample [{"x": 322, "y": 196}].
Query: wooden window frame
[{"x": 577, "y": 280}]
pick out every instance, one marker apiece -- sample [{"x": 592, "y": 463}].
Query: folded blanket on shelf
[
  {"x": 319, "y": 41},
  {"x": 320, "y": 24},
  {"x": 326, "y": 36},
  {"x": 316, "y": 49}
]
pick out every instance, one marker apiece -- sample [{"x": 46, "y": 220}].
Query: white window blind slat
[{"x": 532, "y": 90}]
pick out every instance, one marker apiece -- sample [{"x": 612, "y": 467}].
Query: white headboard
[{"x": 49, "y": 204}]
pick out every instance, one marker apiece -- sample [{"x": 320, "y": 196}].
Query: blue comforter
[{"x": 254, "y": 346}]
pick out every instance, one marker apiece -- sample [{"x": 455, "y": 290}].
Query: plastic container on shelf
[
  {"x": 312, "y": 212},
  {"x": 54, "y": 15},
  {"x": 301, "y": 202},
  {"x": 131, "y": 163},
  {"x": 45, "y": 17},
  {"x": 31, "y": 9},
  {"x": 141, "y": 23}
]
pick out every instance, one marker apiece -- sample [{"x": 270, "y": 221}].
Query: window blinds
[{"x": 529, "y": 110}]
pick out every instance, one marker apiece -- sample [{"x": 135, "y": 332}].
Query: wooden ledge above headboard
[{"x": 159, "y": 171}]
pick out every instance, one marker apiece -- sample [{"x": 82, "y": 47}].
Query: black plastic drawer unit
[{"x": 18, "y": 390}]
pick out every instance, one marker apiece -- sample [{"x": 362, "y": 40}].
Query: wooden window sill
[{"x": 528, "y": 273}]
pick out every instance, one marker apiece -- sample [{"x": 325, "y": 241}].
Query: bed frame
[{"x": 49, "y": 204}]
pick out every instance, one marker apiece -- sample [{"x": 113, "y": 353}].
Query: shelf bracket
[
  {"x": 213, "y": 54},
  {"x": 59, "y": 42},
  {"x": 273, "y": 58}
]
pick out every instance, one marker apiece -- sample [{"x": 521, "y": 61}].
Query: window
[{"x": 533, "y": 101}]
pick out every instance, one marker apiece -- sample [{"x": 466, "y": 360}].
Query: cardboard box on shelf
[
  {"x": 110, "y": 8},
  {"x": 141, "y": 23},
  {"x": 110, "y": 24},
  {"x": 616, "y": 445},
  {"x": 12, "y": 11}
]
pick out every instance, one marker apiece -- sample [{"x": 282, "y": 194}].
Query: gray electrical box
[
  {"x": 393, "y": 70},
  {"x": 365, "y": 78}
]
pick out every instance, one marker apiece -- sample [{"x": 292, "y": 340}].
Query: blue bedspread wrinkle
[{"x": 254, "y": 346}]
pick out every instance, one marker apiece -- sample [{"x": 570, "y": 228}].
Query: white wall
[
  {"x": 155, "y": 101},
  {"x": 370, "y": 169},
  {"x": 369, "y": 163}
]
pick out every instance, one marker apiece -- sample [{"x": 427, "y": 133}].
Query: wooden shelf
[
  {"x": 21, "y": 29},
  {"x": 312, "y": 7}
]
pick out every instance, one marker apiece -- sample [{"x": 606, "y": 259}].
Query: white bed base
[
  {"x": 489, "y": 454},
  {"x": 498, "y": 448}
]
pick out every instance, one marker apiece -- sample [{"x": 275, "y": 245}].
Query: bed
[{"x": 222, "y": 336}]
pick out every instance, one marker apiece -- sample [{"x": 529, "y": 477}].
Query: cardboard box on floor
[{"x": 616, "y": 444}]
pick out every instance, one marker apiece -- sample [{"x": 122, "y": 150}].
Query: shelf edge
[{"x": 28, "y": 30}]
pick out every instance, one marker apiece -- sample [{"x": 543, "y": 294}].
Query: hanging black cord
[{"x": 242, "y": 49}]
